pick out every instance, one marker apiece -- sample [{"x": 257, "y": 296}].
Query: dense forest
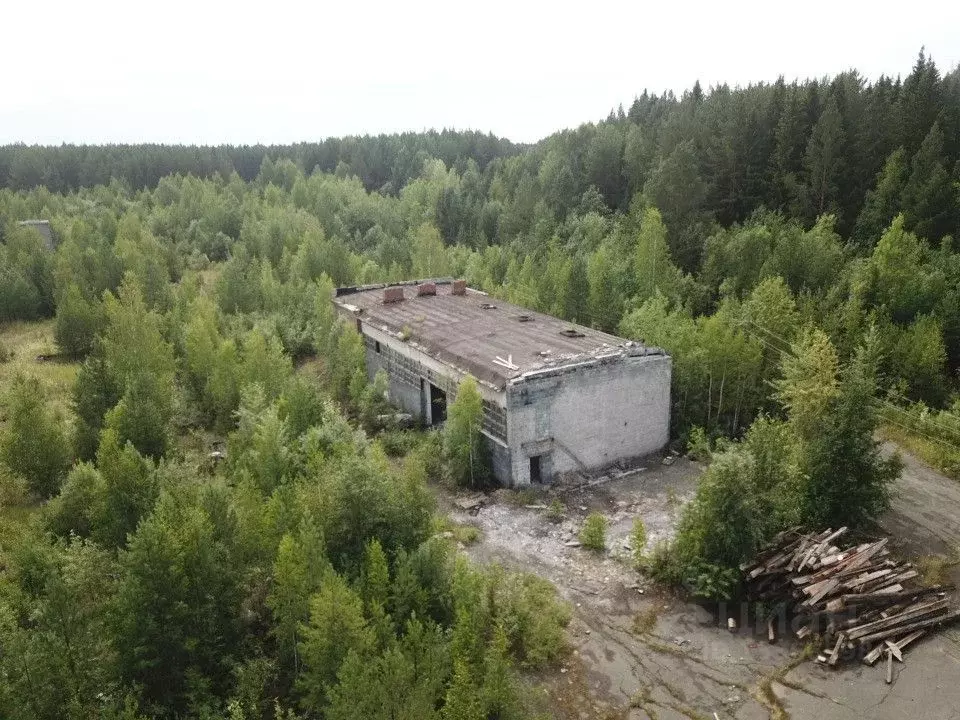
[{"x": 790, "y": 245}]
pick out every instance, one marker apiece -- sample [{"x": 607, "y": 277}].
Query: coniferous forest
[{"x": 203, "y": 512}]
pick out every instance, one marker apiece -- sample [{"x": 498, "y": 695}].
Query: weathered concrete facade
[
  {"x": 571, "y": 400},
  {"x": 590, "y": 416}
]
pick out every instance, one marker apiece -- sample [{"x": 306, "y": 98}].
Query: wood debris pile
[{"x": 862, "y": 603}]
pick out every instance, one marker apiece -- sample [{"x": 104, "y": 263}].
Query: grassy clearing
[
  {"x": 24, "y": 343},
  {"x": 934, "y": 454}
]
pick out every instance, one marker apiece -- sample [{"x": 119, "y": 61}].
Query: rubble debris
[
  {"x": 861, "y": 602},
  {"x": 470, "y": 503}
]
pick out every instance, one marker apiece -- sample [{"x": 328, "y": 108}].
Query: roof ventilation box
[
  {"x": 427, "y": 288},
  {"x": 459, "y": 287},
  {"x": 392, "y": 294}
]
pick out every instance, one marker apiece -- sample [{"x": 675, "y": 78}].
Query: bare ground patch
[{"x": 679, "y": 661}]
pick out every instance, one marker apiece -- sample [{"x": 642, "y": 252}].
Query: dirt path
[
  {"x": 926, "y": 508},
  {"x": 678, "y": 662}
]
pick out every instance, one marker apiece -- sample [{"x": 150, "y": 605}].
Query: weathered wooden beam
[
  {"x": 861, "y": 631},
  {"x": 926, "y": 623}
]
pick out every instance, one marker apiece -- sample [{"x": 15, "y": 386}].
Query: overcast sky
[{"x": 277, "y": 71}]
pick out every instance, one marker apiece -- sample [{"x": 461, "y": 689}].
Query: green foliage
[
  {"x": 177, "y": 607},
  {"x": 821, "y": 468},
  {"x": 593, "y": 532},
  {"x": 13, "y": 488},
  {"x": 79, "y": 321},
  {"x": 55, "y": 629},
  {"x": 335, "y": 629},
  {"x": 33, "y": 444},
  {"x": 810, "y": 381},
  {"x": 717, "y": 225},
  {"x": 465, "y": 451},
  {"x": 375, "y": 402},
  {"x": 847, "y": 479},
  {"x": 556, "y": 510},
  {"x": 698, "y": 445},
  {"x": 638, "y": 543},
  {"x": 26, "y": 276}
]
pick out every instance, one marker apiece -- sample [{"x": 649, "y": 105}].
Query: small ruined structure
[
  {"x": 558, "y": 398},
  {"x": 42, "y": 227}
]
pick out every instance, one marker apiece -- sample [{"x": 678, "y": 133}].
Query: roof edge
[{"x": 354, "y": 289}]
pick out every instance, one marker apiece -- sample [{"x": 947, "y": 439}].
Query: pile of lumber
[{"x": 858, "y": 601}]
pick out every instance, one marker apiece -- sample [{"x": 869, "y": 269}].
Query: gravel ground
[{"x": 687, "y": 665}]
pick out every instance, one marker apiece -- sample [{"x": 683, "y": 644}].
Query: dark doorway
[
  {"x": 535, "y": 476},
  {"x": 438, "y": 405}
]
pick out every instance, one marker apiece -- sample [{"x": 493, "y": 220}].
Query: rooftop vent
[
  {"x": 392, "y": 294},
  {"x": 572, "y": 333},
  {"x": 427, "y": 288},
  {"x": 524, "y": 318},
  {"x": 487, "y": 306},
  {"x": 459, "y": 287}
]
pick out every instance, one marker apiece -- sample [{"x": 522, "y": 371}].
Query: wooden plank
[
  {"x": 926, "y": 623},
  {"x": 817, "y": 587},
  {"x": 892, "y": 649},
  {"x": 887, "y": 595},
  {"x": 889, "y": 667},
  {"x": 861, "y": 580},
  {"x": 905, "y": 617},
  {"x": 828, "y": 587},
  {"x": 915, "y": 635},
  {"x": 835, "y": 655},
  {"x": 871, "y": 657}
]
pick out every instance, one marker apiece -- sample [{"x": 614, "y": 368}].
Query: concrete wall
[{"x": 589, "y": 417}]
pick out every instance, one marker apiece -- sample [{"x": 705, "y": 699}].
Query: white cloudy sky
[{"x": 279, "y": 71}]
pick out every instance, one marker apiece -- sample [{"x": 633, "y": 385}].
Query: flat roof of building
[{"x": 493, "y": 340}]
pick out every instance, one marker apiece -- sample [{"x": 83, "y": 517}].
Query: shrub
[
  {"x": 397, "y": 443},
  {"x": 698, "y": 445},
  {"x": 13, "y": 488},
  {"x": 711, "y": 581},
  {"x": 638, "y": 539},
  {"x": 593, "y": 533},
  {"x": 555, "y": 510}
]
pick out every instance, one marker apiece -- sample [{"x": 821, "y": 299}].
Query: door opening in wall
[
  {"x": 535, "y": 473},
  {"x": 438, "y": 405}
]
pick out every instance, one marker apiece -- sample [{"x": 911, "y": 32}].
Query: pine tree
[
  {"x": 930, "y": 199},
  {"x": 883, "y": 202},
  {"x": 823, "y": 161}
]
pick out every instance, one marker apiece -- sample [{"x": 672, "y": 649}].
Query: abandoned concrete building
[{"x": 558, "y": 398}]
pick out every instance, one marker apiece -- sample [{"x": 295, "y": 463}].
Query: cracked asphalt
[{"x": 687, "y": 665}]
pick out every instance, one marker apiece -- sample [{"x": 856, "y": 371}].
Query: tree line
[{"x": 798, "y": 282}]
